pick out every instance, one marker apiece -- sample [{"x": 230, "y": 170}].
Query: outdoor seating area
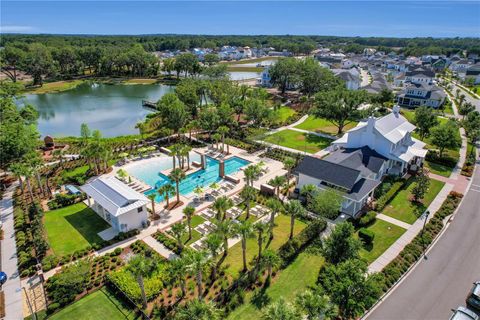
[
  {"x": 206, "y": 227},
  {"x": 213, "y": 193}
]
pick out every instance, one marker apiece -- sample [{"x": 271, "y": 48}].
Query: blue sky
[{"x": 342, "y": 18}]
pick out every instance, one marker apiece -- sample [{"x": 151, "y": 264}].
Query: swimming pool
[{"x": 150, "y": 174}]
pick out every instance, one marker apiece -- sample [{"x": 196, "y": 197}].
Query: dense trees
[
  {"x": 445, "y": 136},
  {"x": 425, "y": 119}
]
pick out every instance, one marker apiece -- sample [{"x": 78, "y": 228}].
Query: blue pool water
[{"x": 204, "y": 178}]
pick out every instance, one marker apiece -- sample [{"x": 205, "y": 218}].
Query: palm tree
[
  {"x": 314, "y": 304},
  {"x": 178, "y": 231},
  {"x": 275, "y": 206},
  {"x": 216, "y": 137},
  {"x": 198, "y": 262},
  {"x": 189, "y": 211},
  {"x": 223, "y": 130},
  {"x": 152, "y": 196},
  {"x": 186, "y": 152},
  {"x": 221, "y": 205},
  {"x": 198, "y": 310},
  {"x": 280, "y": 310},
  {"x": 27, "y": 172},
  {"x": 261, "y": 229},
  {"x": 140, "y": 267},
  {"x": 35, "y": 162},
  {"x": 288, "y": 164},
  {"x": 294, "y": 208},
  {"x": 165, "y": 191},
  {"x": 178, "y": 271},
  {"x": 213, "y": 243},
  {"x": 270, "y": 260},
  {"x": 248, "y": 194},
  {"x": 245, "y": 230},
  {"x": 18, "y": 170},
  {"x": 225, "y": 230},
  {"x": 277, "y": 182},
  {"x": 307, "y": 191},
  {"x": 177, "y": 175},
  {"x": 174, "y": 152}
]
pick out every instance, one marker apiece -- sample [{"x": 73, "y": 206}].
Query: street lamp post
[{"x": 427, "y": 213}]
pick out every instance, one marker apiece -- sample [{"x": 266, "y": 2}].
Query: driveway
[{"x": 442, "y": 281}]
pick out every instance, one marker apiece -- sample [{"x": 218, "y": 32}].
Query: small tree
[
  {"x": 277, "y": 182},
  {"x": 213, "y": 244},
  {"x": 178, "y": 231},
  {"x": 225, "y": 230},
  {"x": 245, "y": 230},
  {"x": 275, "y": 206},
  {"x": 178, "y": 271},
  {"x": 422, "y": 182},
  {"x": 314, "y": 304},
  {"x": 270, "y": 260},
  {"x": 189, "y": 211},
  {"x": 166, "y": 191},
  {"x": 177, "y": 175},
  {"x": 326, "y": 203},
  {"x": 198, "y": 310},
  {"x": 445, "y": 136},
  {"x": 471, "y": 124},
  {"x": 248, "y": 195},
  {"x": 425, "y": 119},
  {"x": 280, "y": 310},
  {"x": 294, "y": 209},
  {"x": 341, "y": 245},
  {"x": 261, "y": 229},
  {"x": 140, "y": 267},
  {"x": 152, "y": 196},
  {"x": 221, "y": 205},
  {"x": 198, "y": 262}
]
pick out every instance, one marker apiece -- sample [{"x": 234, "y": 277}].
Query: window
[{"x": 140, "y": 209}]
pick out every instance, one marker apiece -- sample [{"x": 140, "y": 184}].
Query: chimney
[
  {"x": 370, "y": 123},
  {"x": 396, "y": 110}
]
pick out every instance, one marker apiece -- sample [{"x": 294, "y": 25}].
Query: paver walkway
[
  {"x": 411, "y": 232},
  {"x": 12, "y": 288},
  {"x": 160, "y": 248},
  {"x": 394, "y": 221}
]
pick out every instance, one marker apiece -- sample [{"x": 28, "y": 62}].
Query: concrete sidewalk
[
  {"x": 159, "y": 248},
  {"x": 394, "y": 221},
  {"x": 392, "y": 252},
  {"x": 12, "y": 288}
]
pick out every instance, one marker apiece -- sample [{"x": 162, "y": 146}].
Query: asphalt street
[
  {"x": 468, "y": 97},
  {"x": 442, "y": 281}
]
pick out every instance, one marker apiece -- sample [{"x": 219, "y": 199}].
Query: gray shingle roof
[
  {"x": 328, "y": 171},
  {"x": 362, "y": 188},
  {"x": 363, "y": 159}
]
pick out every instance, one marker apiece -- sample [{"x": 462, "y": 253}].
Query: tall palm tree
[
  {"x": 140, "y": 267},
  {"x": 217, "y": 137},
  {"x": 288, "y": 164},
  {"x": 275, "y": 206},
  {"x": 198, "y": 263},
  {"x": 152, "y": 196},
  {"x": 177, "y": 175},
  {"x": 221, "y": 205},
  {"x": 294, "y": 209},
  {"x": 245, "y": 230},
  {"x": 252, "y": 173},
  {"x": 18, "y": 169},
  {"x": 213, "y": 244},
  {"x": 277, "y": 182},
  {"x": 223, "y": 130},
  {"x": 178, "y": 271},
  {"x": 248, "y": 194},
  {"x": 225, "y": 230},
  {"x": 198, "y": 310},
  {"x": 178, "y": 231},
  {"x": 174, "y": 152},
  {"x": 35, "y": 162},
  {"x": 270, "y": 260},
  {"x": 165, "y": 191},
  {"x": 261, "y": 229},
  {"x": 189, "y": 211},
  {"x": 186, "y": 151}
]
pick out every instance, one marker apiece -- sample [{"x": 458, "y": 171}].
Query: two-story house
[
  {"x": 417, "y": 94},
  {"x": 362, "y": 157}
]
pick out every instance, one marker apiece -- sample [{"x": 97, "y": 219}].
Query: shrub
[
  {"x": 368, "y": 219},
  {"x": 383, "y": 200},
  {"x": 366, "y": 235},
  {"x": 434, "y": 157},
  {"x": 52, "y": 307}
]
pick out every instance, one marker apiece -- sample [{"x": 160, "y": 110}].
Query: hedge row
[
  {"x": 434, "y": 156},
  {"x": 384, "y": 199},
  {"x": 414, "y": 250}
]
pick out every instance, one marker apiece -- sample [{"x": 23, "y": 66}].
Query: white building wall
[{"x": 133, "y": 219}]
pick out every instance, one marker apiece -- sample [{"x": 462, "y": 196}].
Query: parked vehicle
[
  {"x": 3, "y": 278},
  {"x": 473, "y": 298},
  {"x": 463, "y": 313}
]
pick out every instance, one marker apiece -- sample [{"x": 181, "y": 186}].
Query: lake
[{"x": 112, "y": 109}]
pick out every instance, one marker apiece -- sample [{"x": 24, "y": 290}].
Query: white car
[{"x": 463, "y": 313}]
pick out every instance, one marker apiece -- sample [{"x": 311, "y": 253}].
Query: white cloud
[{"x": 14, "y": 29}]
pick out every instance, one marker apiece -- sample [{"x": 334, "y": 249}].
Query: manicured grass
[
  {"x": 299, "y": 140},
  {"x": 197, "y": 220},
  {"x": 403, "y": 209},
  {"x": 280, "y": 236},
  {"x": 101, "y": 304},
  {"x": 243, "y": 69},
  {"x": 283, "y": 113},
  {"x": 195, "y": 236},
  {"x": 385, "y": 235},
  {"x": 322, "y": 125},
  {"x": 57, "y": 86},
  {"x": 439, "y": 169},
  {"x": 73, "y": 228},
  {"x": 140, "y": 81},
  {"x": 298, "y": 276}
]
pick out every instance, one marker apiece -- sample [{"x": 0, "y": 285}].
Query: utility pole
[{"x": 427, "y": 213}]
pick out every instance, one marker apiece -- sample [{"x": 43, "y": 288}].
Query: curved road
[
  {"x": 442, "y": 281},
  {"x": 468, "y": 97}
]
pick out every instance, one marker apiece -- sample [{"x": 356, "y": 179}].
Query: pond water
[
  {"x": 240, "y": 75},
  {"x": 112, "y": 109}
]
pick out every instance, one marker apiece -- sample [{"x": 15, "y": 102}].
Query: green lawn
[
  {"x": 322, "y": 125},
  {"x": 56, "y": 86},
  {"x": 385, "y": 235},
  {"x": 283, "y": 113},
  {"x": 403, "y": 209},
  {"x": 280, "y": 232},
  {"x": 298, "y": 140},
  {"x": 439, "y": 169},
  {"x": 298, "y": 276},
  {"x": 73, "y": 228},
  {"x": 98, "y": 305}
]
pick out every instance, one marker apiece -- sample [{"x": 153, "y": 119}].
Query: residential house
[
  {"x": 418, "y": 94},
  {"x": 118, "y": 204},
  {"x": 473, "y": 72},
  {"x": 351, "y": 77},
  {"x": 362, "y": 157}
]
